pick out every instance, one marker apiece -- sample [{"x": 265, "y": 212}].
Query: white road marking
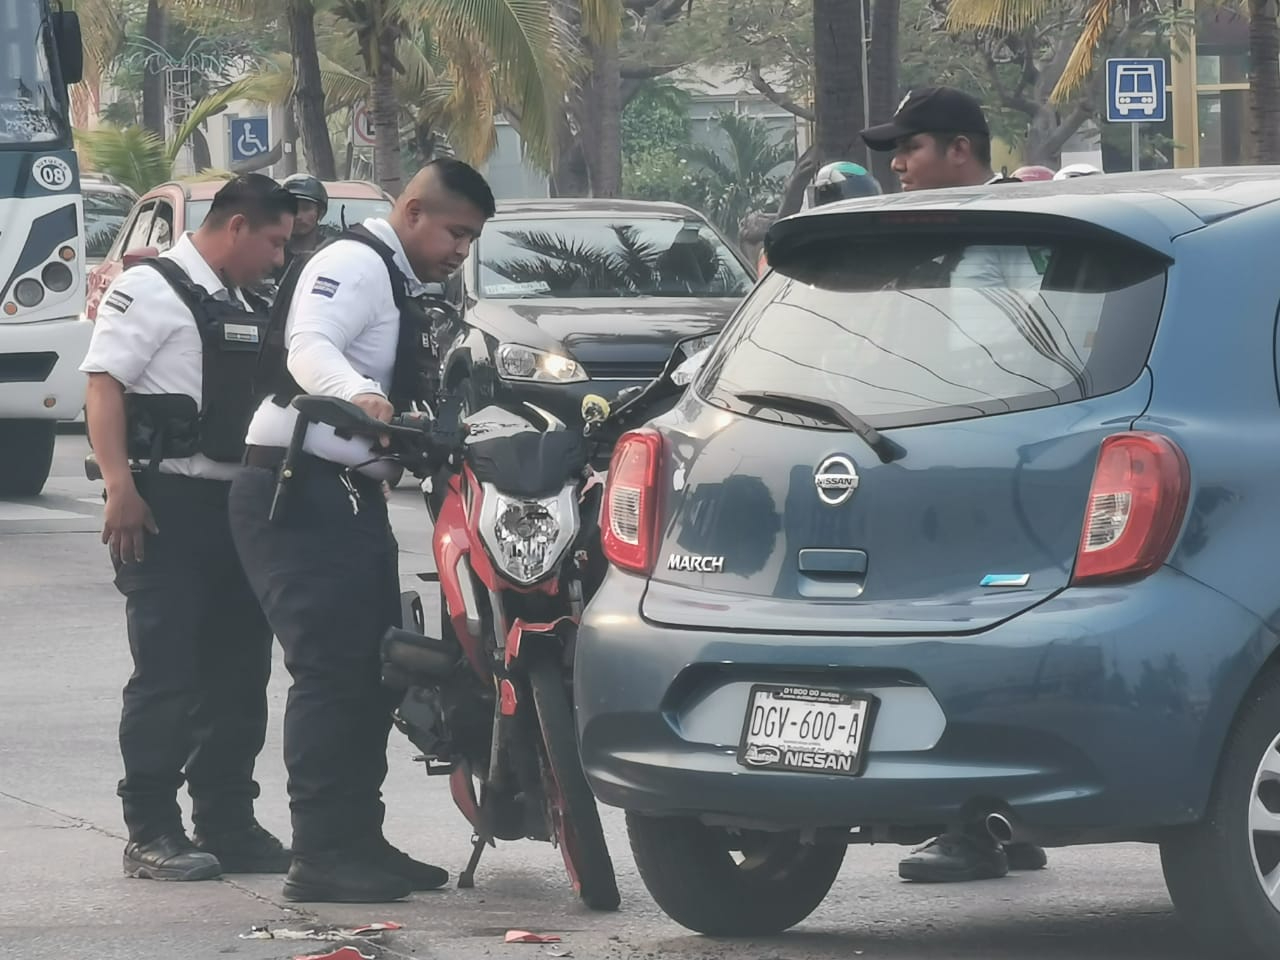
[{"x": 27, "y": 511}]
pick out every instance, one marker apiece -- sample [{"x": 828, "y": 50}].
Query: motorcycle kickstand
[{"x": 467, "y": 879}]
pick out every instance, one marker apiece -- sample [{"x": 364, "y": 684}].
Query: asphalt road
[{"x": 62, "y": 894}]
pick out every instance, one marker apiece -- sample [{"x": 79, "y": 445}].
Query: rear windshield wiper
[{"x": 829, "y": 410}]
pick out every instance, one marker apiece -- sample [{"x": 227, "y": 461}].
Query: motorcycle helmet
[
  {"x": 841, "y": 180},
  {"x": 1076, "y": 170},
  {"x": 306, "y": 187},
  {"x": 1033, "y": 172}
]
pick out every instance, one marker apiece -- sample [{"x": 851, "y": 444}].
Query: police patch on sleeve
[
  {"x": 120, "y": 302},
  {"x": 325, "y": 287}
]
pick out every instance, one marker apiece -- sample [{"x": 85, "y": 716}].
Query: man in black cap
[{"x": 939, "y": 138}]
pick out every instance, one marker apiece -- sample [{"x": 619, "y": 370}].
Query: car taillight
[
  {"x": 1136, "y": 504},
  {"x": 628, "y": 518}
]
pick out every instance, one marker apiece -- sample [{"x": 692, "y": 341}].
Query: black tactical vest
[
  {"x": 415, "y": 376},
  {"x": 169, "y": 426}
]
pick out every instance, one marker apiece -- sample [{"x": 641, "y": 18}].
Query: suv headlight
[
  {"x": 527, "y": 537},
  {"x": 517, "y": 362}
]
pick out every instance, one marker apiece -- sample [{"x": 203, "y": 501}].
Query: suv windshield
[
  {"x": 30, "y": 109},
  {"x": 599, "y": 257},
  {"x": 921, "y": 329}
]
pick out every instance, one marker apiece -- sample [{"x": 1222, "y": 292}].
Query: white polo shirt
[
  {"x": 341, "y": 336},
  {"x": 146, "y": 338}
]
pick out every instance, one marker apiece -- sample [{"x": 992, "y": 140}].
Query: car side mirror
[
  {"x": 138, "y": 254},
  {"x": 66, "y": 31}
]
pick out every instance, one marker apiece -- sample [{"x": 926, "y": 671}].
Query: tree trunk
[
  {"x": 308, "y": 90},
  {"x": 882, "y": 71},
  {"x": 388, "y": 169},
  {"x": 602, "y": 114},
  {"x": 200, "y": 156},
  {"x": 153, "y": 92},
  {"x": 837, "y": 69},
  {"x": 1264, "y": 84}
]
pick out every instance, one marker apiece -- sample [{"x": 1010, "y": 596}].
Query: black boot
[
  {"x": 171, "y": 856},
  {"x": 342, "y": 876},
  {"x": 422, "y": 876},
  {"x": 249, "y": 849},
  {"x": 955, "y": 858},
  {"x": 1025, "y": 856}
]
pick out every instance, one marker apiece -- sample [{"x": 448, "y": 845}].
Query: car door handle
[{"x": 831, "y": 574}]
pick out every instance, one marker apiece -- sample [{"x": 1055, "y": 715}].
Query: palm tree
[
  {"x": 518, "y": 38},
  {"x": 748, "y": 179}
]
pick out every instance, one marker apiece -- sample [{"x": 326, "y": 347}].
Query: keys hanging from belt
[{"x": 352, "y": 494}]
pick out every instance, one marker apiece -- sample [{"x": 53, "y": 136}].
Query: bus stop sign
[{"x": 1136, "y": 90}]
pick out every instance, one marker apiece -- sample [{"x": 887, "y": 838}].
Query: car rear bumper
[
  {"x": 40, "y": 374},
  {"x": 1101, "y": 711}
]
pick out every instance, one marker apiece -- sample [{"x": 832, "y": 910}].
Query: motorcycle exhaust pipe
[{"x": 422, "y": 657}]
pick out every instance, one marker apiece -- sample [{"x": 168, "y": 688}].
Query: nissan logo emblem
[{"x": 836, "y": 478}]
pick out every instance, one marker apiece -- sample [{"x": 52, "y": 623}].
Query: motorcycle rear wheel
[{"x": 573, "y": 807}]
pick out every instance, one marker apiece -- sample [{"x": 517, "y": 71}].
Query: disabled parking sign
[
  {"x": 1136, "y": 90},
  {"x": 250, "y": 137}
]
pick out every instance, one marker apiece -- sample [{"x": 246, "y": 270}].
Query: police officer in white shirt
[
  {"x": 160, "y": 407},
  {"x": 326, "y": 571}
]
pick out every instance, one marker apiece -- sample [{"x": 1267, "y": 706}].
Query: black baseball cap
[{"x": 929, "y": 110}]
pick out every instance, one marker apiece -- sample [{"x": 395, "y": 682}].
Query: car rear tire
[
  {"x": 1223, "y": 873},
  {"x": 692, "y": 873},
  {"x": 26, "y": 455}
]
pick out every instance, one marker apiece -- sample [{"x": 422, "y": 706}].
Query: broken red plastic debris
[
  {"x": 342, "y": 953},
  {"x": 524, "y": 936}
]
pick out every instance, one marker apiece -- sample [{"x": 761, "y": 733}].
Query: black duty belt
[{"x": 270, "y": 458}]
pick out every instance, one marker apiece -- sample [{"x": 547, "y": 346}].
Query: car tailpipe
[{"x": 1000, "y": 827}]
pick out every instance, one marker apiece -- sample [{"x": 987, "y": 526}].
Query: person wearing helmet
[
  {"x": 839, "y": 180},
  {"x": 1033, "y": 172},
  {"x": 313, "y": 203},
  {"x": 1076, "y": 170}
]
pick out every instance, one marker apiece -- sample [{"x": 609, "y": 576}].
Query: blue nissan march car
[{"x": 967, "y": 520}]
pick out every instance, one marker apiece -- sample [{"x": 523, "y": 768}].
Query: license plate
[{"x": 807, "y": 729}]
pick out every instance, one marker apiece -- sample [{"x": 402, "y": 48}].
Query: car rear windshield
[
  {"x": 602, "y": 257},
  {"x": 926, "y": 328}
]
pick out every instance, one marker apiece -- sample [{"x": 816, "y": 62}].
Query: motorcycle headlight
[
  {"x": 527, "y": 537},
  {"x": 517, "y": 362}
]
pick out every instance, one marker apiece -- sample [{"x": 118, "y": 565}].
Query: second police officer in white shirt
[{"x": 170, "y": 364}]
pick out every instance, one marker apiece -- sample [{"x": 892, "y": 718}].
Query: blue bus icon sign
[{"x": 1136, "y": 90}]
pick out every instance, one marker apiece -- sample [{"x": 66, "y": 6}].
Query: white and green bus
[{"x": 43, "y": 333}]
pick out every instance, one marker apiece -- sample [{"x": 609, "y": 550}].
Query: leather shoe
[
  {"x": 249, "y": 849},
  {"x": 955, "y": 858},
  {"x": 422, "y": 876},
  {"x": 342, "y": 876},
  {"x": 171, "y": 856}
]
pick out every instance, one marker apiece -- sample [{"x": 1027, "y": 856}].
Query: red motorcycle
[{"x": 515, "y": 500}]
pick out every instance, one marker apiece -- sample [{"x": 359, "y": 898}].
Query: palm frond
[
  {"x": 1005, "y": 16},
  {"x": 1097, "y": 19},
  {"x": 520, "y": 38},
  {"x": 102, "y": 26},
  {"x": 270, "y": 86},
  {"x": 134, "y": 156}
]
